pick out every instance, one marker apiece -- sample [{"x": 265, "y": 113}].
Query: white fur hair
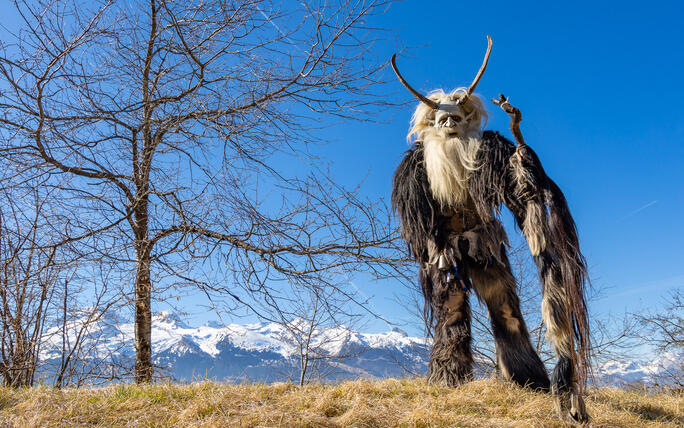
[{"x": 449, "y": 160}]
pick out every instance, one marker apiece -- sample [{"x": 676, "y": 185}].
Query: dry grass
[{"x": 386, "y": 403}]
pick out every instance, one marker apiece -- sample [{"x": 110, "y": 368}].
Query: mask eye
[{"x": 456, "y": 119}]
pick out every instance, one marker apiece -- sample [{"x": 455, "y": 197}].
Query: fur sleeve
[
  {"x": 516, "y": 178},
  {"x": 413, "y": 201}
]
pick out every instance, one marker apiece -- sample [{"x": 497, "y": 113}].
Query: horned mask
[{"x": 456, "y": 114}]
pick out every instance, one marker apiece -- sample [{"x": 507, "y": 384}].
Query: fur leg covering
[
  {"x": 451, "y": 360},
  {"x": 516, "y": 357}
]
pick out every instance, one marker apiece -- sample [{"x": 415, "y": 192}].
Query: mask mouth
[{"x": 453, "y": 134}]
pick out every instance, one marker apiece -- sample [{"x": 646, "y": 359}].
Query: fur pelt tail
[
  {"x": 573, "y": 266},
  {"x": 551, "y": 233}
]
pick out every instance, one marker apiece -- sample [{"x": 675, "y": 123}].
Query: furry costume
[{"x": 447, "y": 191}]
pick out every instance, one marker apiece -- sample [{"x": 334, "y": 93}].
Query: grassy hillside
[{"x": 485, "y": 403}]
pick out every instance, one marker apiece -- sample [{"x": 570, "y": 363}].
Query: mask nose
[{"x": 450, "y": 122}]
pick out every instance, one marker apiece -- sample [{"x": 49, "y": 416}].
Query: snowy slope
[{"x": 648, "y": 372}]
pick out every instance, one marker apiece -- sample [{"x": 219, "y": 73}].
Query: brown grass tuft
[{"x": 362, "y": 403}]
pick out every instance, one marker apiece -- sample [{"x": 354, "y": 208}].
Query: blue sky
[{"x": 600, "y": 88}]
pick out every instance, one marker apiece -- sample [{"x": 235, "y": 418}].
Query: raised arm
[{"x": 514, "y": 176}]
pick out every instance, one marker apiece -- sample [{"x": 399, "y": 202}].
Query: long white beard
[{"x": 449, "y": 163}]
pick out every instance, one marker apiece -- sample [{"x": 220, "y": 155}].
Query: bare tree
[
  {"x": 318, "y": 322},
  {"x": 177, "y": 124},
  {"x": 39, "y": 306},
  {"x": 29, "y": 270},
  {"x": 667, "y": 326},
  {"x": 664, "y": 331},
  {"x": 88, "y": 350}
]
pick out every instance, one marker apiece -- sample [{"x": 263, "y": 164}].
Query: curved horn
[
  {"x": 415, "y": 93},
  {"x": 480, "y": 72}
]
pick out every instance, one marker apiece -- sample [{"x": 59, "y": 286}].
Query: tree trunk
[
  {"x": 143, "y": 322},
  {"x": 143, "y": 293},
  {"x": 304, "y": 365}
]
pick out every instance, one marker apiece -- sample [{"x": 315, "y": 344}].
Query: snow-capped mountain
[
  {"x": 659, "y": 370},
  {"x": 269, "y": 352},
  {"x": 258, "y": 352}
]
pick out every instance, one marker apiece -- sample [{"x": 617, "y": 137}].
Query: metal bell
[{"x": 443, "y": 263}]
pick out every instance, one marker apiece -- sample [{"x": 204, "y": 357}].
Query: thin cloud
[{"x": 626, "y": 216}]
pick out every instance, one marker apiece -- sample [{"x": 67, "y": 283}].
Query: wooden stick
[{"x": 516, "y": 117}]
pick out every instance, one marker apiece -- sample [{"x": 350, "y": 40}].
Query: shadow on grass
[
  {"x": 646, "y": 412},
  {"x": 9, "y": 398},
  {"x": 655, "y": 413}
]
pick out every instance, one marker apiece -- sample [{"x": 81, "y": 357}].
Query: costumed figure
[{"x": 448, "y": 191}]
